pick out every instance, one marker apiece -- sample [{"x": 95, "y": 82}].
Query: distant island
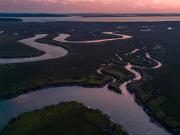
[{"x": 10, "y": 20}]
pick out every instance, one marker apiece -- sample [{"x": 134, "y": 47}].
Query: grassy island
[{"x": 64, "y": 119}]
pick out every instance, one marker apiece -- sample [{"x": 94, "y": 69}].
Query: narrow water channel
[{"x": 63, "y": 38}]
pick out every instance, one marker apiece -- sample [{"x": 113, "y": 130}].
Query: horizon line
[{"x": 6, "y": 12}]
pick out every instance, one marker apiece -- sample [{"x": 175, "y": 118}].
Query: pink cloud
[{"x": 90, "y": 5}]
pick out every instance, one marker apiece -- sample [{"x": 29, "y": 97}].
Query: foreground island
[{"x": 64, "y": 119}]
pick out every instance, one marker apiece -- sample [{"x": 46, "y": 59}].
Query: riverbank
[
  {"x": 65, "y": 119},
  {"x": 111, "y": 75},
  {"x": 152, "y": 102},
  {"x": 90, "y": 82}
]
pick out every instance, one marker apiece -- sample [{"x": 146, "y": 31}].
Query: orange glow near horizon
[{"x": 111, "y": 6}]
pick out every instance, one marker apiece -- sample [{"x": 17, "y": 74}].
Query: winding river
[
  {"x": 51, "y": 51},
  {"x": 159, "y": 64},
  {"x": 123, "y": 87},
  {"x": 132, "y": 52},
  {"x": 63, "y": 38},
  {"x": 121, "y": 108}
]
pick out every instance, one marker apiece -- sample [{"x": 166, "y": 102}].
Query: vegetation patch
[{"x": 64, "y": 119}]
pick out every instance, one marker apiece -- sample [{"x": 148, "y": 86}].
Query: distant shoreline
[{"x": 87, "y": 14}]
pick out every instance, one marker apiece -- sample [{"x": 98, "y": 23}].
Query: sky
[{"x": 91, "y": 6}]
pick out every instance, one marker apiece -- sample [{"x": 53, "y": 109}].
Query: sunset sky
[{"x": 106, "y": 6}]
